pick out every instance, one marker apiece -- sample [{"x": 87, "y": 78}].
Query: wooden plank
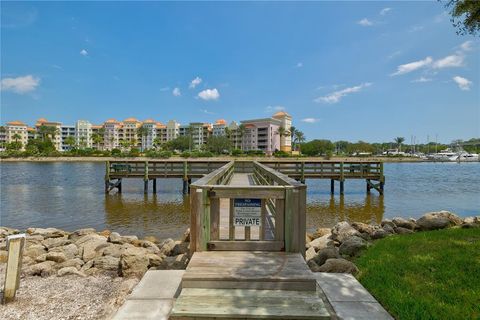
[
  {"x": 302, "y": 220},
  {"x": 290, "y": 203},
  {"x": 297, "y": 285},
  {"x": 246, "y": 245},
  {"x": 204, "y": 218},
  {"x": 14, "y": 267},
  {"x": 263, "y": 214},
  {"x": 279, "y": 219},
  {"x": 231, "y": 226},
  {"x": 257, "y": 192},
  {"x": 215, "y": 218}
]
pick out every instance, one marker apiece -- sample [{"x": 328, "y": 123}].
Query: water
[{"x": 71, "y": 196}]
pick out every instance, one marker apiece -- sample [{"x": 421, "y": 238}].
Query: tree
[
  {"x": 157, "y": 142},
  {"x": 465, "y": 16},
  {"x": 47, "y": 132},
  {"x": 97, "y": 139},
  {"x": 70, "y": 141},
  {"x": 299, "y": 138},
  {"x": 16, "y": 137},
  {"x": 143, "y": 132},
  {"x": 317, "y": 147},
  {"x": 14, "y": 146},
  {"x": 181, "y": 143},
  {"x": 293, "y": 132},
  {"x": 218, "y": 144},
  {"x": 399, "y": 141}
]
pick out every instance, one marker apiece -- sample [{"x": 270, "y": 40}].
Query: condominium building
[
  {"x": 66, "y": 132},
  {"x": 129, "y": 133},
  {"x": 50, "y": 129},
  {"x": 3, "y": 138},
  {"x": 111, "y": 138},
  {"x": 172, "y": 130},
  {"x": 98, "y": 137},
  {"x": 16, "y": 131},
  {"x": 83, "y": 134},
  {"x": 148, "y": 134},
  {"x": 219, "y": 127},
  {"x": 261, "y": 134},
  {"x": 286, "y": 124},
  {"x": 235, "y": 135},
  {"x": 162, "y": 134}
]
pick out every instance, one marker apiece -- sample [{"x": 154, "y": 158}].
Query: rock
[
  {"x": 343, "y": 230},
  {"x": 352, "y": 246},
  {"x": 151, "y": 239},
  {"x": 389, "y": 229},
  {"x": 76, "y": 262},
  {"x": 6, "y": 231},
  {"x": 36, "y": 239},
  {"x": 180, "y": 248},
  {"x": 134, "y": 262},
  {"x": 186, "y": 236},
  {"x": 438, "y": 220},
  {"x": 128, "y": 239},
  {"x": 3, "y": 256},
  {"x": 320, "y": 232},
  {"x": 387, "y": 222},
  {"x": 88, "y": 245},
  {"x": 80, "y": 233},
  {"x": 403, "y": 223},
  {"x": 379, "y": 234},
  {"x": 47, "y": 233},
  {"x": 27, "y": 261},
  {"x": 87, "y": 265},
  {"x": 471, "y": 222},
  {"x": 116, "y": 250},
  {"x": 167, "y": 247},
  {"x": 152, "y": 247},
  {"x": 58, "y": 257},
  {"x": 308, "y": 238},
  {"x": 313, "y": 266},
  {"x": 93, "y": 271},
  {"x": 114, "y": 237},
  {"x": 363, "y": 227},
  {"x": 321, "y": 242},
  {"x": 179, "y": 262},
  {"x": 310, "y": 253},
  {"x": 107, "y": 263},
  {"x": 50, "y": 243},
  {"x": 69, "y": 250},
  {"x": 155, "y": 260},
  {"x": 401, "y": 230},
  {"x": 338, "y": 266},
  {"x": 105, "y": 233},
  {"x": 34, "y": 251},
  {"x": 41, "y": 258},
  {"x": 325, "y": 254},
  {"x": 70, "y": 271},
  {"x": 43, "y": 269}
]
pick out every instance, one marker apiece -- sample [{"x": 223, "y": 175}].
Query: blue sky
[{"x": 344, "y": 70}]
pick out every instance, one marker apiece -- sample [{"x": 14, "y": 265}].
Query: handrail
[
  {"x": 215, "y": 176},
  {"x": 275, "y": 175}
]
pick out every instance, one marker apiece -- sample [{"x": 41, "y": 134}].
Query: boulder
[
  {"x": 363, "y": 227},
  {"x": 50, "y": 243},
  {"x": 58, "y": 257},
  {"x": 116, "y": 250},
  {"x": 70, "y": 271},
  {"x": 180, "y": 248},
  {"x": 352, "y": 246},
  {"x": 41, "y": 258},
  {"x": 186, "y": 236},
  {"x": 152, "y": 247},
  {"x": 76, "y": 262},
  {"x": 388, "y": 222},
  {"x": 6, "y": 231},
  {"x": 325, "y": 254},
  {"x": 308, "y": 238},
  {"x": 80, "y": 233},
  {"x": 43, "y": 269},
  {"x": 320, "y": 232},
  {"x": 401, "y": 230},
  {"x": 155, "y": 260},
  {"x": 389, "y": 229},
  {"x": 47, "y": 232},
  {"x": 88, "y": 245},
  {"x": 338, "y": 266},
  {"x": 87, "y": 265},
  {"x": 107, "y": 263},
  {"x": 151, "y": 239},
  {"x": 321, "y": 242},
  {"x": 379, "y": 234},
  {"x": 3, "y": 256},
  {"x": 34, "y": 251},
  {"x": 310, "y": 253},
  {"x": 179, "y": 262},
  {"x": 471, "y": 222},
  {"x": 105, "y": 233},
  {"x": 438, "y": 220},
  {"x": 70, "y": 250},
  {"x": 36, "y": 239},
  {"x": 27, "y": 261},
  {"x": 167, "y": 247},
  {"x": 404, "y": 223},
  {"x": 343, "y": 230},
  {"x": 114, "y": 237},
  {"x": 134, "y": 262}
]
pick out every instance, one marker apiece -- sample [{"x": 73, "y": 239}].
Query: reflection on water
[
  {"x": 338, "y": 208},
  {"x": 71, "y": 196}
]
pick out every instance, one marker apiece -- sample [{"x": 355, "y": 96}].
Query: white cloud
[
  {"x": 195, "y": 82},
  {"x": 463, "y": 83},
  {"x": 20, "y": 85},
  {"x": 299, "y": 64},
  {"x": 412, "y": 66},
  {"x": 206, "y": 111},
  {"x": 270, "y": 109},
  {"x": 176, "y": 92},
  {"x": 336, "y": 96},
  {"x": 384, "y": 11},
  {"x": 209, "y": 94},
  {"x": 467, "y": 45},
  {"x": 454, "y": 60},
  {"x": 365, "y": 22},
  {"x": 84, "y": 52},
  {"x": 422, "y": 79},
  {"x": 310, "y": 120},
  {"x": 165, "y": 89}
]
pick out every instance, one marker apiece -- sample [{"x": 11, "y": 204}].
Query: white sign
[{"x": 247, "y": 212}]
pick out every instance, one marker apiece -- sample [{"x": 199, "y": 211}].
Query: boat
[
  {"x": 448, "y": 155},
  {"x": 468, "y": 157}
]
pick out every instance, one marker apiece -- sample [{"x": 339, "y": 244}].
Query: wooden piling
[
  {"x": 332, "y": 186},
  {"x": 145, "y": 179},
  {"x": 342, "y": 189},
  {"x": 15, "y": 245},
  {"x": 154, "y": 185},
  {"x": 107, "y": 176}
]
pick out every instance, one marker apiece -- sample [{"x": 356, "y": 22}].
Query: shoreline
[{"x": 103, "y": 159}]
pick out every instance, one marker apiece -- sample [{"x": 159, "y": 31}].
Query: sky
[{"x": 368, "y": 71}]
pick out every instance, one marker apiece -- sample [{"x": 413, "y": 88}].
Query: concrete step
[
  {"x": 248, "y": 270},
  {"x": 248, "y": 304}
]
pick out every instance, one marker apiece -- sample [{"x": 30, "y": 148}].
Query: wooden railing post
[
  {"x": 107, "y": 176},
  {"x": 204, "y": 219},
  {"x": 145, "y": 178},
  {"x": 15, "y": 246}
]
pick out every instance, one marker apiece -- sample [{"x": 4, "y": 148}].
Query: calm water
[{"x": 71, "y": 196}]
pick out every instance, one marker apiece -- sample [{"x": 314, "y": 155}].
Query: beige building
[
  {"x": 111, "y": 137},
  {"x": 55, "y": 134},
  {"x": 16, "y": 131},
  {"x": 286, "y": 124}
]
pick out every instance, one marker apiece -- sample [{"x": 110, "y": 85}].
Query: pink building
[{"x": 261, "y": 134}]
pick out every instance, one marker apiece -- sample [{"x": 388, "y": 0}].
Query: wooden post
[
  {"x": 195, "y": 205},
  {"x": 215, "y": 218},
  {"x": 145, "y": 179},
  {"x": 107, "y": 176},
  {"x": 231, "y": 226},
  {"x": 15, "y": 246},
  {"x": 302, "y": 219},
  {"x": 154, "y": 186},
  {"x": 189, "y": 182},
  {"x": 302, "y": 177},
  {"x": 119, "y": 186},
  {"x": 342, "y": 189},
  {"x": 332, "y": 186},
  {"x": 204, "y": 218},
  {"x": 185, "y": 186},
  {"x": 368, "y": 186}
]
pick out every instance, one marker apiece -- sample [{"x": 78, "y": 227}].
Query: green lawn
[{"x": 426, "y": 275}]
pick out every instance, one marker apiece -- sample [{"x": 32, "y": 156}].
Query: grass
[{"x": 425, "y": 275}]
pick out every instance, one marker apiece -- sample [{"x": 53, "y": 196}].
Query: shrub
[
  {"x": 186, "y": 154},
  {"x": 281, "y": 154}
]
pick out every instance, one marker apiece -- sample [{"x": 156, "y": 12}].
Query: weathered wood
[
  {"x": 204, "y": 218},
  {"x": 262, "y": 219},
  {"x": 215, "y": 218},
  {"x": 266, "y": 192},
  {"x": 15, "y": 246},
  {"x": 279, "y": 219},
  {"x": 231, "y": 225},
  {"x": 246, "y": 245}
]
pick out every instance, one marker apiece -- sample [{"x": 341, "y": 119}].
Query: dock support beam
[
  {"x": 368, "y": 186},
  {"x": 145, "y": 186},
  {"x": 154, "y": 185},
  {"x": 185, "y": 186},
  {"x": 342, "y": 189},
  {"x": 332, "y": 186}
]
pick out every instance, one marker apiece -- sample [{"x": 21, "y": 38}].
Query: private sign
[{"x": 247, "y": 212}]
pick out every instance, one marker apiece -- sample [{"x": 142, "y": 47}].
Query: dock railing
[{"x": 281, "y": 201}]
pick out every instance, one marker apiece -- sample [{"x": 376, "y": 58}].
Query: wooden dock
[{"x": 150, "y": 171}]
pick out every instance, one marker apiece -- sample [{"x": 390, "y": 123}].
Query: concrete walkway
[{"x": 154, "y": 296}]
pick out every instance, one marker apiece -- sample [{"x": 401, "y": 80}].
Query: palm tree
[
  {"x": 97, "y": 138},
  {"x": 47, "y": 132},
  {"x": 293, "y": 132},
  {"x": 299, "y": 138},
  {"x": 16, "y": 137},
  {"x": 399, "y": 141},
  {"x": 157, "y": 142},
  {"x": 143, "y": 132},
  {"x": 70, "y": 141}
]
